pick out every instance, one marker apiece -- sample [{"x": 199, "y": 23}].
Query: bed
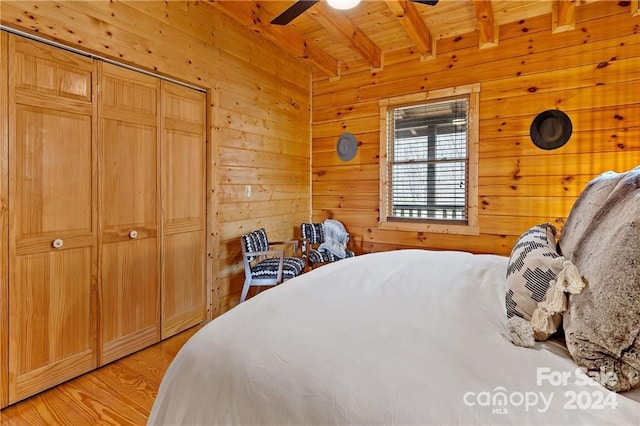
[{"x": 407, "y": 337}]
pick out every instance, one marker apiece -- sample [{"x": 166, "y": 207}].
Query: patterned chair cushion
[
  {"x": 268, "y": 268},
  {"x": 312, "y": 232},
  {"x": 255, "y": 241},
  {"x": 316, "y": 256},
  {"x": 534, "y": 262}
]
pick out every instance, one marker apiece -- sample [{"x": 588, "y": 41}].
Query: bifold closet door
[
  {"x": 52, "y": 217},
  {"x": 129, "y": 105},
  {"x": 183, "y": 208}
]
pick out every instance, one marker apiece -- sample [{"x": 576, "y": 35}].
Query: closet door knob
[
  {"x": 133, "y": 234},
  {"x": 57, "y": 243}
]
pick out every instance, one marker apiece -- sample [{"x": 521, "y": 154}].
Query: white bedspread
[{"x": 408, "y": 337}]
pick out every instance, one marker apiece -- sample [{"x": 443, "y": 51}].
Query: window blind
[{"x": 428, "y": 161}]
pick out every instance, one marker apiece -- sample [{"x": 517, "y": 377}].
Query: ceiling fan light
[{"x": 343, "y": 4}]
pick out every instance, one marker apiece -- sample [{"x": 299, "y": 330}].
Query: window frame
[{"x": 471, "y": 227}]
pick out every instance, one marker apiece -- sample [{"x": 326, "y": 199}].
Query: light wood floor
[{"x": 120, "y": 393}]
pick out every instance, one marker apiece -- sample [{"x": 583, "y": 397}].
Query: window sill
[{"x": 436, "y": 228}]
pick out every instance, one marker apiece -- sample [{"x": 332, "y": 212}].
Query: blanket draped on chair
[{"x": 335, "y": 238}]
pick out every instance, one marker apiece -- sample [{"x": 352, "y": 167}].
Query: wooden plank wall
[
  {"x": 259, "y": 109},
  {"x": 592, "y": 73}
]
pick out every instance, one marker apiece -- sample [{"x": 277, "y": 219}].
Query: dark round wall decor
[
  {"x": 347, "y": 146},
  {"x": 551, "y": 129}
]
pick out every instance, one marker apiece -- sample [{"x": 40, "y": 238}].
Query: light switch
[{"x": 247, "y": 191}]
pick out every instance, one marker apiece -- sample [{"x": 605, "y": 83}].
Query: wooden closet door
[
  {"x": 4, "y": 222},
  {"x": 129, "y": 244},
  {"x": 52, "y": 205},
  {"x": 183, "y": 207}
]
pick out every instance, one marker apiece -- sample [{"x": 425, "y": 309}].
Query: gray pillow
[
  {"x": 602, "y": 239},
  {"x": 533, "y": 264}
]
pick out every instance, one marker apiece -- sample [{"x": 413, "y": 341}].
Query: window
[{"x": 429, "y": 162}]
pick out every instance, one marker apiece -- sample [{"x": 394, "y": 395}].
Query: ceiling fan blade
[
  {"x": 293, "y": 12},
  {"x": 427, "y": 2}
]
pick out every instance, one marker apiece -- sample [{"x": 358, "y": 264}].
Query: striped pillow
[{"x": 534, "y": 262}]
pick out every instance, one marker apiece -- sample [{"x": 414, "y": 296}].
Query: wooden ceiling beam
[
  {"x": 564, "y": 16},
  {"x": 251, "y": 15},
  {"x": 341, "y": 26},
  {"x": 414, "y": 25},
  {"x": 635, "y": 7},
  {"x": 487, "y": 25}
]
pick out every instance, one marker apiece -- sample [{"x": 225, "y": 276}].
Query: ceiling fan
[{"x": 300, "y": 6}]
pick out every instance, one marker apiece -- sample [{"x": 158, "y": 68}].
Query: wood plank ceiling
[{"x": 340, "y": 42}]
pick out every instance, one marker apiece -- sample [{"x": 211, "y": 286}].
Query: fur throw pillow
[{"x": 602, "y": 239}]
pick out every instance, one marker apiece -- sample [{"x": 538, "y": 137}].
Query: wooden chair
[
  {"x": 264, "y": 265},
  {"x": 312, "y": 236}
]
